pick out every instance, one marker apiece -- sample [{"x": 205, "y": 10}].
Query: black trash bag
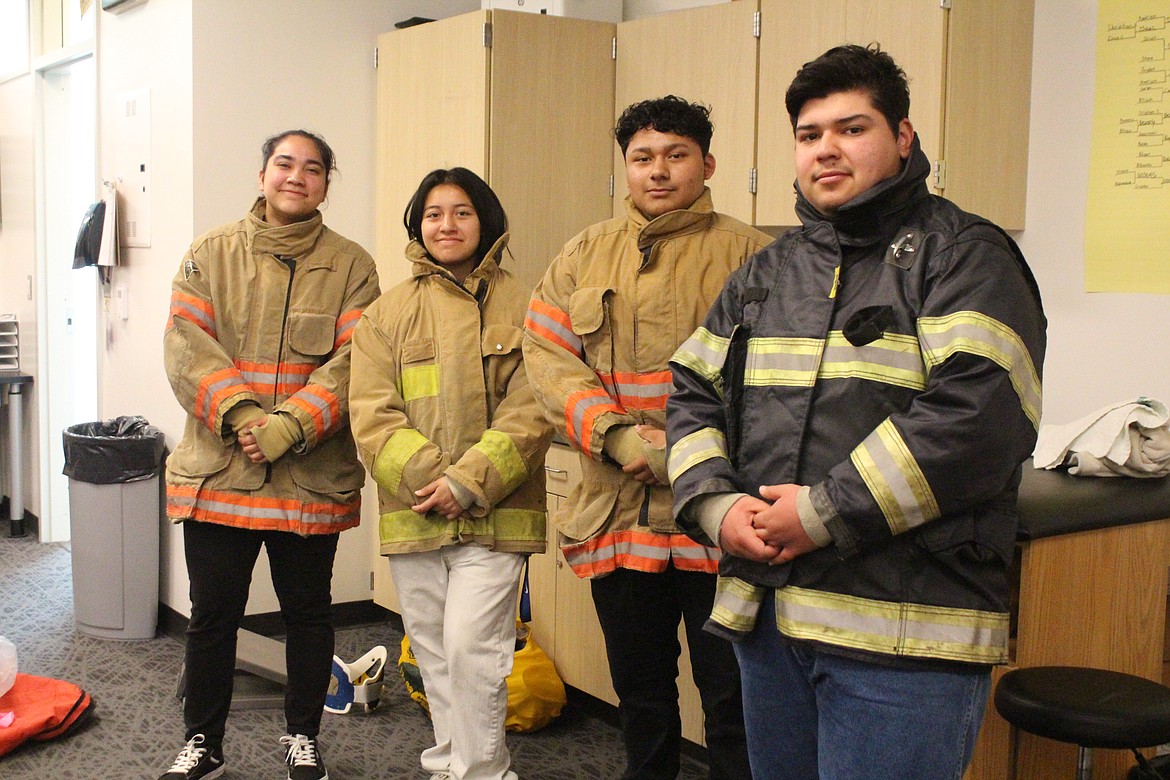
[{"x": 119, "y": 450}]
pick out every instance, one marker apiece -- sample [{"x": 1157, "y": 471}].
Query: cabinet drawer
[{"x": 562, "y": 470}]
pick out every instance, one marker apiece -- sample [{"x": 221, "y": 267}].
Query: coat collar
[
  {"x": 673, "y": 223},
  {"x": 295, "y": 240},
  {"x": 422, "y": 264}
]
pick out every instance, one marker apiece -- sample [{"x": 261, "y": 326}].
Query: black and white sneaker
[
  {"x": 303, "y": 758},
  {"x": 196, "y": 761}
]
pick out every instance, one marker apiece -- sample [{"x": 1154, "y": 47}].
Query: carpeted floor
[{"x": 138, "y": 727}]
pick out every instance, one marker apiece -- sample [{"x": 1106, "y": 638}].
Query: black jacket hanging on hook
[{"x": 89, "y": 237}]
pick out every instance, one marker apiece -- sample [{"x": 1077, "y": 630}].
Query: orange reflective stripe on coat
[
  {"x": 643, "y": 551},
  {"x": 551, "y": 323},
  {"x": 344, "y": 330},
  {"x": 195, "y": 310},
  {"x": 271, "y": 379},
  {"x": 581, "y": 411},
  {"x": 321, "y": 405},
  {"x": 260, "y": 512},
  {"x": 214, "y": 389},
  {"x": 644, "y": 391}
]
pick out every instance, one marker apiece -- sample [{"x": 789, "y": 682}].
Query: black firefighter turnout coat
[{"x": 890, "y": 358}]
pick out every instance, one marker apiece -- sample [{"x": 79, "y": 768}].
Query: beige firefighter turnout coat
[
  {"x": 439, "y": 389},
  {"x": 602, "y": 325},
  {"x": 263, "y": 314}
]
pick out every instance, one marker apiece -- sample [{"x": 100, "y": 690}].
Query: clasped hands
[{"x": 767, "y": 529}]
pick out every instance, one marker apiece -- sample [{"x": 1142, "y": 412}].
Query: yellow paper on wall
[{"x": 1127, "y": 220}]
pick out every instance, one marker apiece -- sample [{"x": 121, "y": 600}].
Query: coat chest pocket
[
  {"x": 311, "y": 334},
  {"x": 589, "y": 311}
]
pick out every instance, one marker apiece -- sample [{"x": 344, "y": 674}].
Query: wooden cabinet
[
  {"x": 565, "y": 621},
  {"x": 1092, "y": 598},
  {"x": 524, "y": 100},
  {"x": 969, "y": 69},
  {"x": 718, "y": 70}
]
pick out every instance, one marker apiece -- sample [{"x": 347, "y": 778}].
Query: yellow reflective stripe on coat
[
  {"x": 914, "y": 630},
  {"x": 737, "y": 604},
  {"x": 704, "y": 353},
  {"x": 502, "y": 524},
  {"x": 694, "y": 448},
  {"x": 894, "y": 358},
  {"x": 895, "y": 479},
  {"x": 419, "y": 382},
  {"x": 501, "y": 452},
  {"x": 783, "y": 362},
  {"x": 392, "y": 460},
  {"x": 978, "y": 334}
]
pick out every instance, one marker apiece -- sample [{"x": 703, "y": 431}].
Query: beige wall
[{"x": 229, "y": 73}]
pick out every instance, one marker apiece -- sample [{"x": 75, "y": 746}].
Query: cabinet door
[
  {"x": 542, "y": 586},
  {"x": 432, "y": 113},
  {"x": 793, "y": 33},
  {"x": 718, "y": 69},
  {"x": 549, "y": 143},
  {"x": 989, "y": 93}
]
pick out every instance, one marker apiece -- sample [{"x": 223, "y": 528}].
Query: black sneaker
[
  {"x": 196, "y": 762},
  {"x": 303, "y": 758}
]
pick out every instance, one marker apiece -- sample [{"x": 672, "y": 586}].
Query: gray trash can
[{"x": 115, "y": 502}]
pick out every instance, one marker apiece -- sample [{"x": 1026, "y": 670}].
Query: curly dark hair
[
  {"x": 848, "y": 68},
  {"x": 667, "y": 114},
  {"x": 493, "y": 222}
]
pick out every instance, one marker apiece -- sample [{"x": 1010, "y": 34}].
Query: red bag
[{"x": 44, "y": 709}]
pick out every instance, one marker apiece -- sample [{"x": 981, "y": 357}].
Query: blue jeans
[{"x": 812, "y": 715}]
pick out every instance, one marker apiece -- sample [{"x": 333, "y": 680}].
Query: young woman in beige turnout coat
[
  {"x": 448, "y": 426},
  {"x": 257, "y": 351}
]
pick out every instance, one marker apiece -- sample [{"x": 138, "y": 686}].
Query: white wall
[
  {"x": 149, "y": 47},
  {"x": 18, "y": 265},
  {"x": 1102, "y": 347}
]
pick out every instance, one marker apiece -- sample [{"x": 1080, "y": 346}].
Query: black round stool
[{"x": 1090, "y": 708}]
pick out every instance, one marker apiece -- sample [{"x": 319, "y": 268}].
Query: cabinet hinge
[
  {"x": 756, "y": 24},
  {"x": 752, "y": 181},
  {"x": 371, "y": 580},
  {"x": 944, "y": 4},
  {"x": 375, "y": 58},
  {"x": 487, "y": 35},
  {"x": 611, "y": 185},
  {"x": 613, "y": 49},
  {"x": 940, "y": 174}
]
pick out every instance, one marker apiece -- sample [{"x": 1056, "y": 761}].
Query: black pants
[
  {"x": 639, "y": 616},
  {"x": 220, "y": 560}
]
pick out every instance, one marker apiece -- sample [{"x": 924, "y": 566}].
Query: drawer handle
[{"x": 551, "y": 470}]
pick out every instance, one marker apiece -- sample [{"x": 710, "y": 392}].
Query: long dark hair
[{"x": 493, "y": 222}]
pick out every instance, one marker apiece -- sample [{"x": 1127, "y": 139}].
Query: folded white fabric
[{"x": 1128, "y": 439}]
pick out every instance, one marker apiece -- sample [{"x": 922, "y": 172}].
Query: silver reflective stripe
[
  {"x": 916, "y": 630},
  {"x": 894, "y": 479},
  {"x": 311, "y": 399},
  {"x": 704, "y": 353},
  {"x": 978, "y": 334},
  {"x": 737, "y": 604},
  {"x": 788, "y": 362},
  {"x": 894, "y": 358},
  {"x": 694, "y": 448},
  {"x": 548, "y": 323}
]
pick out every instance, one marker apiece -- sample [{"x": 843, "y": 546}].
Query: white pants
[{"x": 459, "y": 610}]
